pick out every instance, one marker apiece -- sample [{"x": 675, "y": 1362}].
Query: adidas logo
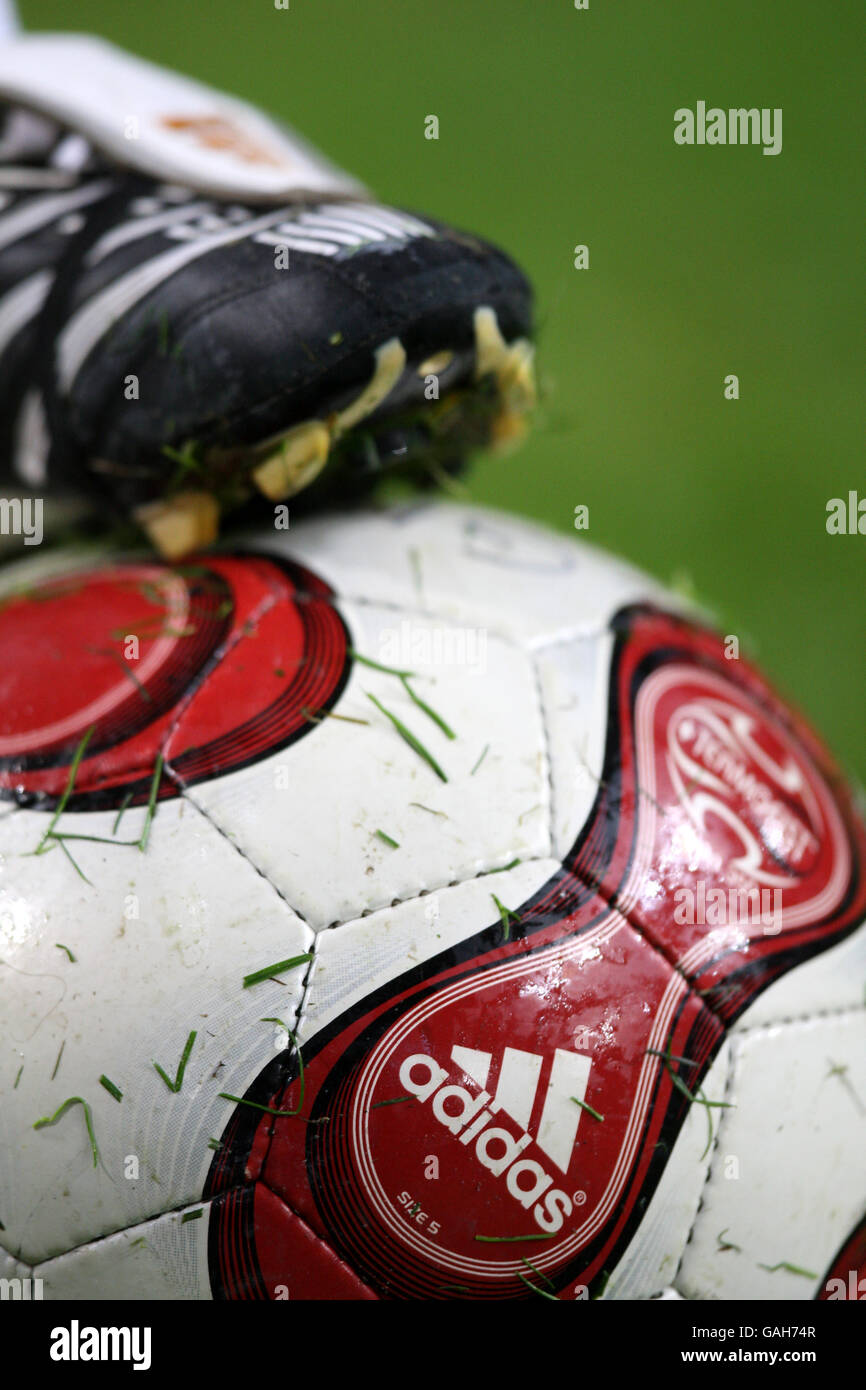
[{"x": 470, "y": 1117}]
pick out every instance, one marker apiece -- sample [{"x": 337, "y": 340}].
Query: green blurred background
[{"x": 556, "y": 128}]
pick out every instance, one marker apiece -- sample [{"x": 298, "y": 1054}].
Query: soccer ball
[{"x": 417, "y": 904}]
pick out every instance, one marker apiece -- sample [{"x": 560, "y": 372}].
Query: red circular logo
[{"x": 214, "y": 665}]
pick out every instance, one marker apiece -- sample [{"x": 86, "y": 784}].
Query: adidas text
[{"x": 472, "y": 1124}]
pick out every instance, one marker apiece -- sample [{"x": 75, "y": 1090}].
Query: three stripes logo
[
  {"x": 519, "y": 1092},
  {"x": 328, "y": 229},
  {"x": 545, "y": 1102}
]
